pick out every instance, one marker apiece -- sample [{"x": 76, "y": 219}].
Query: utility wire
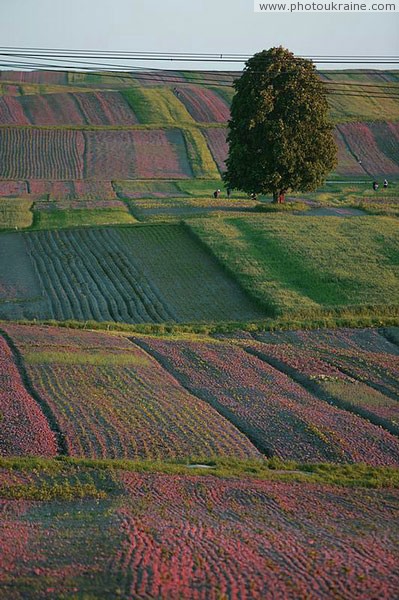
[
  {"x": 241, "y": 57},
  {"x": 143, "y": 74}
]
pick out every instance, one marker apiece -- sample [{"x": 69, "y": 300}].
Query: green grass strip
[
  {"x": 81, "y": 217},
  {"x": 157, "y": 105},
  {"x": 15, "y": 213},
  {"x": 201, "y": 159},
  {"x": 98, "y": 359},
  {"x": 66, "y": 471}
]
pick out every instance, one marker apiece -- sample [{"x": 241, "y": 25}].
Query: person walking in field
[
  {"x": 375, "y": 186},
  {"x": 385, "y": 184}
]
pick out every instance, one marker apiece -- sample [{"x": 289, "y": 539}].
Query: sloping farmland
[
  {"x": 111, "y": 399},
  {"x": 150, "y": 274},
  {"x": 280, "y": 416}
]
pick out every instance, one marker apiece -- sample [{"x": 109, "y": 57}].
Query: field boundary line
[
  {"x": 389, "y": 337},
  {"x": 255, "y": 301},
  {"x": 223, "y": 411},
  {"x": 341, "y": 133},
  {"x": 43, "y": 405},
  {"x": 320, "y": 393}
]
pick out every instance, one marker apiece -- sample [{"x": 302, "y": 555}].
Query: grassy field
[
  {"x": 60, "y": 219},
  {"x": 157, "y": 105},
  {"x": 195, "y": 188},
  {"x": 308, "y": 266},
  {"x": 172, "y": 209},
  {"x": 356, "y": 195},
  {"x": 15, "y": 213}
]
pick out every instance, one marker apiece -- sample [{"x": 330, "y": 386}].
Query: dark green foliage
[{"x": 280, "y": 136}]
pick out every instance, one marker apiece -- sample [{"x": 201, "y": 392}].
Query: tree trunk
[{"x": 275, "y": 197}]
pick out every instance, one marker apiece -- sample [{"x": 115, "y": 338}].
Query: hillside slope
[{"x": 178, "y": 124}]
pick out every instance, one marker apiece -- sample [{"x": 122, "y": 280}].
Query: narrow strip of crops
[{"x": 24, "y": 429}]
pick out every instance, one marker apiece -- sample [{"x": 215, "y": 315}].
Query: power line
[
  {"x": 184, "y": 56},
  {"x": 144, "y": 74}
]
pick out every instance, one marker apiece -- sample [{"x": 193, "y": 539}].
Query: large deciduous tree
[{"x": 280, "y": 135}]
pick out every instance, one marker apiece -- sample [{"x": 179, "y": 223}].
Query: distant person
[
  {"x": 385, "y": 184},
  {"x": 375, "y": 186},
  {"x": 228, "y": 192},
  {"x": 216, "y": 193}
]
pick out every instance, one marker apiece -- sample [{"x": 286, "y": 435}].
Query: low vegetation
[
  {"x": 15, "y": 213},
  {"x": 308, "y": 267}
]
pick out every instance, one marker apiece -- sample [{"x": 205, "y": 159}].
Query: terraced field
[
  {"x": 24, "y": 430},
  {"x": 375, "y": 145},
  {"x": 104, "y": 155},
  {"x": 136, "y": 154},
  {"x": 135, "y": 275},
  {"x": 364, "y": 149},
  {"x": 145, "y": 128},
  {"x": 364, "y": 380},
  {"x": 306, "y": 396},
  {"x": 204, "y": 105},
  {"x": 71, "y": 108}
]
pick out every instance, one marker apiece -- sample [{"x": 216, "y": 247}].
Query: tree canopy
[{"x": 280, "y": 135}]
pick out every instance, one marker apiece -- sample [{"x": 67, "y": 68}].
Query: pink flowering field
[
  {"x": 204, "y": 105},
  {"x": 155, "y": 535},
  {"x": 216, "y": 140},
  {"x": 13, "y": 188},
  {"x": 376, "y": 151},
  {"x": 24, "y": 430},
  {"x": 143, "y": 154},
  {"x": 103, "y": 155},
  {"x": 360, "y": 367},
  {"x": 91, "y": 108},
  {"x": 278, "y": 414},
  {"x": 374, "y": 144},
  {"x": 112, "y": 400}
]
